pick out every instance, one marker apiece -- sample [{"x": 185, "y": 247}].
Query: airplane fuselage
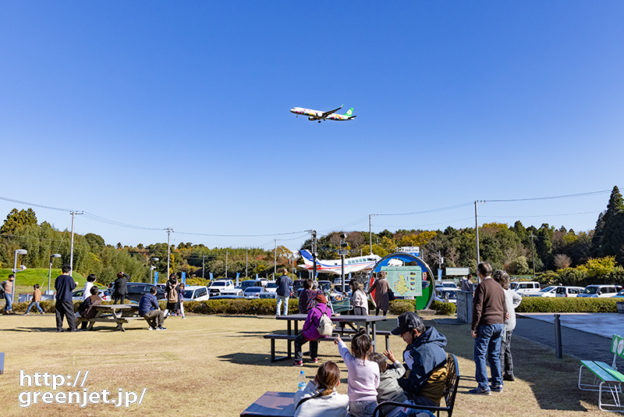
[
  {"x": 333, "y": 266},
  {"x": 312, "y": 114}
]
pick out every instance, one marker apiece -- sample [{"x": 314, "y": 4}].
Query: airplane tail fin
[
  {"x": 349, "y": 112},
  {"x": 307, "y": 257}
]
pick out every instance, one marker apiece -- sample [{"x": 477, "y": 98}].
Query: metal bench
[
  {"x": 605, "y": 378},
  {"x": 450, "y": 392}
]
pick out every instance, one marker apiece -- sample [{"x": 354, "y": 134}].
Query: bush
[
  {"x": 567, "y": 305},
  {"x": 401, "y": 306},
  {"x": 443, "y": 308},
  {"x": 233, "y": 306}
]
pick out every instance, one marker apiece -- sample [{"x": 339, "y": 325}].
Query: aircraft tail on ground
[{"x": 307, "y": 257}]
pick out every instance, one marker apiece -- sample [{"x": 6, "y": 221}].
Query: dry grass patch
[{"x": 217, "y": 365}]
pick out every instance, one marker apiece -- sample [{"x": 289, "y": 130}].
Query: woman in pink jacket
[{"x": 309, "y": 333}]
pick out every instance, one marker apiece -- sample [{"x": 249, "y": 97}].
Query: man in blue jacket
[
  {"x": 150, "y": 310},
  {"x": 64, "y": 285},
  {"x": 283, "y": 292},
  {"x": 425, "y": 357}
]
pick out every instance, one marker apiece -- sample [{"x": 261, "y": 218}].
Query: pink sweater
[{"x": 363, "y": 377}]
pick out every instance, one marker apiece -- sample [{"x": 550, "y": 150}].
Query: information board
[{"x": 405, "y": 281}]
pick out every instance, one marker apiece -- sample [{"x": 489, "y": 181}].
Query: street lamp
[
  {"x": 54, "y": 255},
  {"x": 17, "y": 252},
  {"x": 152, "y": 267}
]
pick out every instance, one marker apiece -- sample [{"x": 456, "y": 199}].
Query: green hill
[{"x": 24, "y": 280}]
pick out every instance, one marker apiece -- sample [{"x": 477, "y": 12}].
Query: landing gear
[{"x": 319, "y": 121}]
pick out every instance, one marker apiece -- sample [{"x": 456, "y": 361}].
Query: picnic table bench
[
  {"x": 606, "y": 378},
  {"x": 119, "y": 314}
]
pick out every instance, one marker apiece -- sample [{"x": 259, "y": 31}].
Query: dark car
[{"x": 136, "y": 290}]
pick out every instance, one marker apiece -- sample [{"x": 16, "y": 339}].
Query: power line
[
  {"x": 424, "y": 211},
  {"x": 547, "y": 197},
  {"x": 34, "y": 204}
]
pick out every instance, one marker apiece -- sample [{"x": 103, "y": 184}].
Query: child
[
  {"x": 319, "y": 397},
  {"x": 513, "y": 300},
  {"x": 389, "y": 388},
  {"x": 363, "y": 377},
  {"x": 181, "y": 299},
  {"x": 36, "y": 297},
  {"x": 86, "y": 292}
]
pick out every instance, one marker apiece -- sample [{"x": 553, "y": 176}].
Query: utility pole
[
  {"x": 71, "y": 248},
  {"x": 226, "y": 262},
  {"x": 477, "y": 231},
  {"x": 203, "y": 265},
  {"x": 314, "y": 254},
  {"x": 275, "y": 260},
  {"x": 246, "y": 250},
  {"x": 370, "y": 232},
  {"x": 169, "y": 230},
  {"x": 343, "y": 252}
]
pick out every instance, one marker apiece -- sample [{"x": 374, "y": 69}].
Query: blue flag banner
[
  {"x": 237, "y": 275},
  {"x": 183, "y": 277},
  {"x": 155, "y": 277},
  {"x": 211, "y": 276},
  {"x": 256, "y": 276}
]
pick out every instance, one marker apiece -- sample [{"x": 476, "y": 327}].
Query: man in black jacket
[
  {"x": 121, "y": 288},
  {"x": 64, "y": 285}
]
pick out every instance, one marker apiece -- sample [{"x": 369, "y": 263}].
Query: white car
[
  {"x": 222, "y": 286},
  {"x": 545, "y": 292},
  {"x": 563, "y": 291},
  {"x": 447, "y": 295},
  {"x": 196, "y": 293},
  {"x": 525, "y": 288},
  {"x": 253, "y": 292},
  {"x": 601, "y": 291},
  {"x": 271, "y": 287}
]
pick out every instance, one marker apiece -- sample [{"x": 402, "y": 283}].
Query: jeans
[
  {"x": 506, "y": 359},
  {"x": 487, "y": 345},
  {"x": 281, "y": 298},
  {"x": 9, "y": 302},
  {"x": 362, "y": 408},
  {"x": 300, "y": 340},
  {"x": 34, "y": 303}
]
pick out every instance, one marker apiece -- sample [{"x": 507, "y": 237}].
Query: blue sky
[{"x": 175, "y": 114}]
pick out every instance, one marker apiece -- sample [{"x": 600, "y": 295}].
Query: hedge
[
  {"x": 568, "y": 305},
  {"x": 443, "y": 308}
]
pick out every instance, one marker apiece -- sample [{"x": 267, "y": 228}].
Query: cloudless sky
[{"x": 176, "y": 114}]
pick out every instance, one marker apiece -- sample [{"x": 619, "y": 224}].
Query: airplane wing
[{"x": 327, "y": 113}]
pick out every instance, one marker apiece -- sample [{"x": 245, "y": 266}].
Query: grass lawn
[{"x": 218, "y": 365}]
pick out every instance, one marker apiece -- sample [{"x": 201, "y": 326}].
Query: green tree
[
  {"x": 15, "y": 220},
  {"x": 612, "y": 239}
]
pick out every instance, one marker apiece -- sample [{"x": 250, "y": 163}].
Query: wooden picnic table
[
  {"x": 342, "y": 320},
  {"x": 272, "y": 404},
  {"x": 113, "y": 313}
]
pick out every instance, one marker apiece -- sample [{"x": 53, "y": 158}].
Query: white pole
[
  {"x": 275, "y": 260},
  {"x": 169, "y": 230},
  {"x": 477, "y": 232}
]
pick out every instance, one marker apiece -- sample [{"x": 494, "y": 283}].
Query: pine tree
[{"x": 612, "y": 239}]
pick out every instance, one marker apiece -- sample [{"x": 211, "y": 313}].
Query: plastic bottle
[{"x": 302, "y": 381}]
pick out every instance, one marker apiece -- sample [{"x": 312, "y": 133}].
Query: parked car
[
  {"x": 525, "y": 287},
  {"x": 196, "y": 293},
  {"x": 266, "y": 294},
  {"x": 136, "y": 290},
  {"x": 545, "y": 292},
  {"x": 104, "y": 295},
  {"x": 602, "y": 291},
  {"x": 250, "y": 283},
  {"x": 325, "y": 285},
  {"x": 271, "y": 287},
  {"x": 620, "y": 294},
  {"x": 252, "y": 292},
  {"x": 447, "y": 295},
  {"x": 221, "y": 285},
  {"x": 565, "y": 291}
]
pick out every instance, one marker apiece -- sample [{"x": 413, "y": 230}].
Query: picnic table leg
[
  {"x": 120, "y": 326},
  {"x": 289, "y": 343},
  {"x": 374, "y": 332}
]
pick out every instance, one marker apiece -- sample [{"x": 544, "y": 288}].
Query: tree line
[{"x": 516, "y": 248}]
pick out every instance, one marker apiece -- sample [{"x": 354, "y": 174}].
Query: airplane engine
[{"x": 311, "y": 118}]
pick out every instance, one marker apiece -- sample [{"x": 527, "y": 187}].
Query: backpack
[
  {"x": 391, "y": 296},
  {"x": 325, "y": 326}
]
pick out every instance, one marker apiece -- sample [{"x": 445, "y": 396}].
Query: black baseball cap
[{"x": 406, "y": 322}]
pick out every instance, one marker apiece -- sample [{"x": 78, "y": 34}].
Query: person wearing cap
[
  {"x": 309, "y": 332},
  {"x": 425, "y": 357}
]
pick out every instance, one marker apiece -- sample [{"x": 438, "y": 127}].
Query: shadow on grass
[
  {"x": 553, "y": 381},
  {"x": 23, "y": 329}
]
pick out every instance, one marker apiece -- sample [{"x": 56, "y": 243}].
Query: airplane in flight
[
  {"x": 357, "y": 264},
  {"x": 323, "y": 115}
]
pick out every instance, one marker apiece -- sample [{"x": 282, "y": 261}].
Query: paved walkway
[{"x": 576, "y": 338}]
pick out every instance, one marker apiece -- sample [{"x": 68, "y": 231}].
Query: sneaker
[
  {"x": 161, "y": 328},
  {"x": 298, "y": 363},
  {"x": 150, "y": 328},
  {"x": 497, "y": 388},
  {"x": 479, "y": 391},
  {"x": 315, "y": 360}
]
